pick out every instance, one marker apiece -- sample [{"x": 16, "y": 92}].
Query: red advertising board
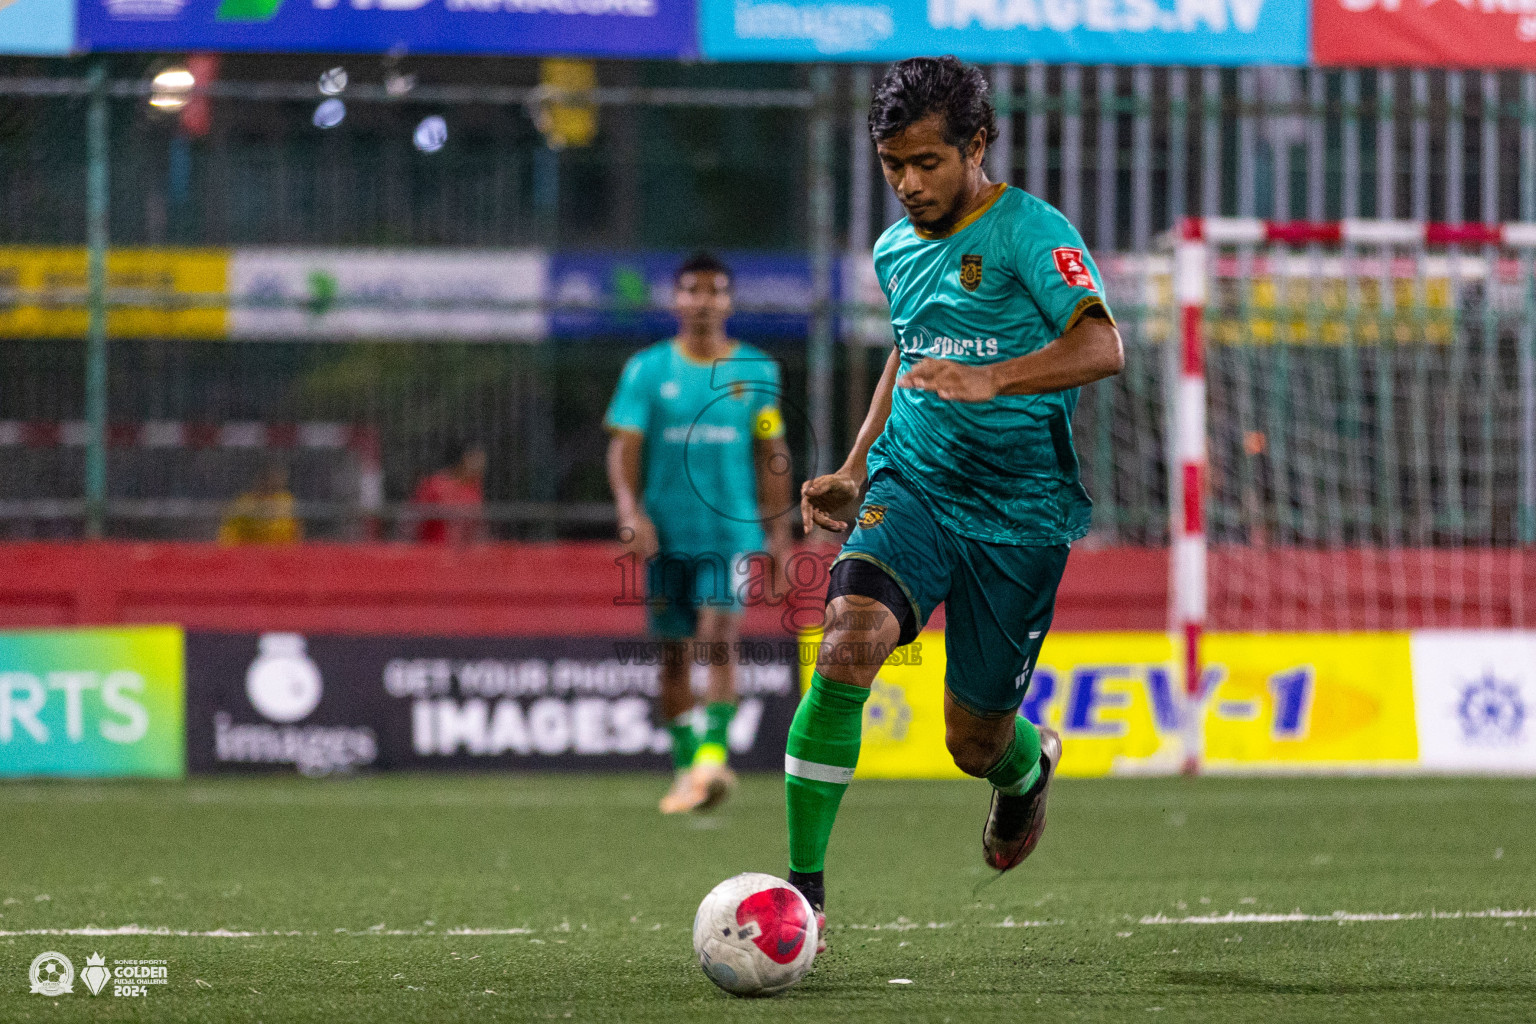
[{"x": 1424, "y": 33}]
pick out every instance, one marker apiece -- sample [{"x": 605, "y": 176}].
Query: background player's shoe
[
  {"x": 683, "y": 796},
  {"x": 698, "y": 789},
  {"x": 1016, "y": 823},
  {"x": 716, "y": 782}
]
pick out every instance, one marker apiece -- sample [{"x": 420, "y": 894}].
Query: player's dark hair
[
  {"x": 702, "y": 262},
  {"x": 915, "y": 88}
]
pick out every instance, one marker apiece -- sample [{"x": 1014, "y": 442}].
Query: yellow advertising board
[
  {"x": 1302, "y": 700},
  {"x": 157, "y": 293},
  {"x": 1272, "y": 702}
]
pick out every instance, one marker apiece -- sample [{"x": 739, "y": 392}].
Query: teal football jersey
[
  {"x": 1008, "y": 280},
  {"x": 699, "y": 420}
]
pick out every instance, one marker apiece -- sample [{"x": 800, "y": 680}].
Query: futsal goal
[{"x": 1352, "y": 428}]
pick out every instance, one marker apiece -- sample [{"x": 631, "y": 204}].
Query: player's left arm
[
  {"x": 1090, "y": 350},
  {"x": 1054, "y": 268},
  {"x": 770, "y": 453}
]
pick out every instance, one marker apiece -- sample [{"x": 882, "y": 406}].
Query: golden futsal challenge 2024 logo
[{"x": 52, "y": 974}]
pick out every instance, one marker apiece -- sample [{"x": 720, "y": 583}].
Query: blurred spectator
[
  {"x": 447, "y": 505},
  {"x": 263, "y": 514}
]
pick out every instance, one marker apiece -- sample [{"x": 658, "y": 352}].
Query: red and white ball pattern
[{"x": 755, "y": 935}]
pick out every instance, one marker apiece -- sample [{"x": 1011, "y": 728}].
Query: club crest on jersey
[
  {"x": 1073, "y": 268},
  {"x": 871, "y": 516},
  {"x": 970, "y": 271}
]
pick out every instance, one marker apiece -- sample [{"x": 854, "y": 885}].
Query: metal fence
[
  {"x": 724, "y": 159},
  {"x": 172, "y": 465},
  {"x": 744, "y": 158}
]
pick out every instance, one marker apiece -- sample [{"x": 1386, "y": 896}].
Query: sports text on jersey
[
  {"x": 700, "y": 433},
  {"x": 919, "y": 342}
]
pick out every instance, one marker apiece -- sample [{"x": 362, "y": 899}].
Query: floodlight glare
[
  {"x": 171, "y": 88},
  {"x": 431, "y": 134},
  {"x": 174, "y": 79},
  {"x": 334, "y": 81},
  {"x": 330, "y": 113}
]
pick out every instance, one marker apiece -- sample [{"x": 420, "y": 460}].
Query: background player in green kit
[
  {"x": 699, "y": 415},
  {"x": 973, "y": 487}
]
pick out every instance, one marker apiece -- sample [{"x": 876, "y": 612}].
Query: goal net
[{"x": 1369, "y": 425}]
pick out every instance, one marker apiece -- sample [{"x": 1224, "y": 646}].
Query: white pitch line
[
  {"x": 91, "y": 931},
  {"x": 901, "y": 925},
  {"x": 1337, "y": 917},
  {"x": 489, "y": 931}
]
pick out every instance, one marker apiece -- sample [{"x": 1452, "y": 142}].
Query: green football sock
[
  {"x": 685, "y": 742},
  {"x": 717, "y": 733},
  {"x": 818, "y": 765},
  {"x": 1019, "y": 768}
]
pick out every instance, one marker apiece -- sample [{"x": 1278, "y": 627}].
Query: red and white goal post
[{"x": 1353, "y": 430}]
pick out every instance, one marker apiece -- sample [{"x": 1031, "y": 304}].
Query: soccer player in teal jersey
[
  {"x": 698, "y": 417},
  {"x": 973, "y": 492}
]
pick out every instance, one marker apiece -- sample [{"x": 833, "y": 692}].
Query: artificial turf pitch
[{"x": 349, "y": 900}]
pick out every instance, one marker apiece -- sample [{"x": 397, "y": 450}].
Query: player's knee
[
  {"x": 675, "y": 658},
  {"x": 973, "y": 754},
  {"x": 708, "y": 631},
  {"x": 717, "y": 627},
  {"x": 849, "y": 656}
]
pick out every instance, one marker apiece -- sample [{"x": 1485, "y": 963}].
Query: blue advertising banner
[
  {"x": 627, "y": 295},
  {"x": 583, "y": 28},
  {"x": 37, "y": 27},
  {"x": 1087, "y": 31}
]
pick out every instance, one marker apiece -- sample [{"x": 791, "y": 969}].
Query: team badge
[
  {"x": 871, "y": 516},
  {"x": 1073, "y": 268},
  {"x": 970, "y": 271}
]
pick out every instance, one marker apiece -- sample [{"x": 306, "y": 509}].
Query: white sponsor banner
[
  {"x": 392, "y": 294},
  {"x": 1474, "y": 696}
]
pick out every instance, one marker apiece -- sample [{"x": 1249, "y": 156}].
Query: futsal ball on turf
[{"x": 755, "y": 935}]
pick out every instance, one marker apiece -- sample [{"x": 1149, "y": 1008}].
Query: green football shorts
[
  {"x": 679, "y": 584},
  {"x": 999, "y": 598}
]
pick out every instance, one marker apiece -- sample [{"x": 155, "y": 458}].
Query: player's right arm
[
  {"x": 628, "y": 415},
  {"x": 635, "y": 527},
  {"x": 823, "y": 498}
]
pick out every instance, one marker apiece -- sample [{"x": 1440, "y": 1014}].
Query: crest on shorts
[
  {"x": 871, "y": 516},
  {"x": 970, "y": 271}
]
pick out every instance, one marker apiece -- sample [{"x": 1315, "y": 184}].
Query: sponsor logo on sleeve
[{"x": 1073, "y": 269}]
